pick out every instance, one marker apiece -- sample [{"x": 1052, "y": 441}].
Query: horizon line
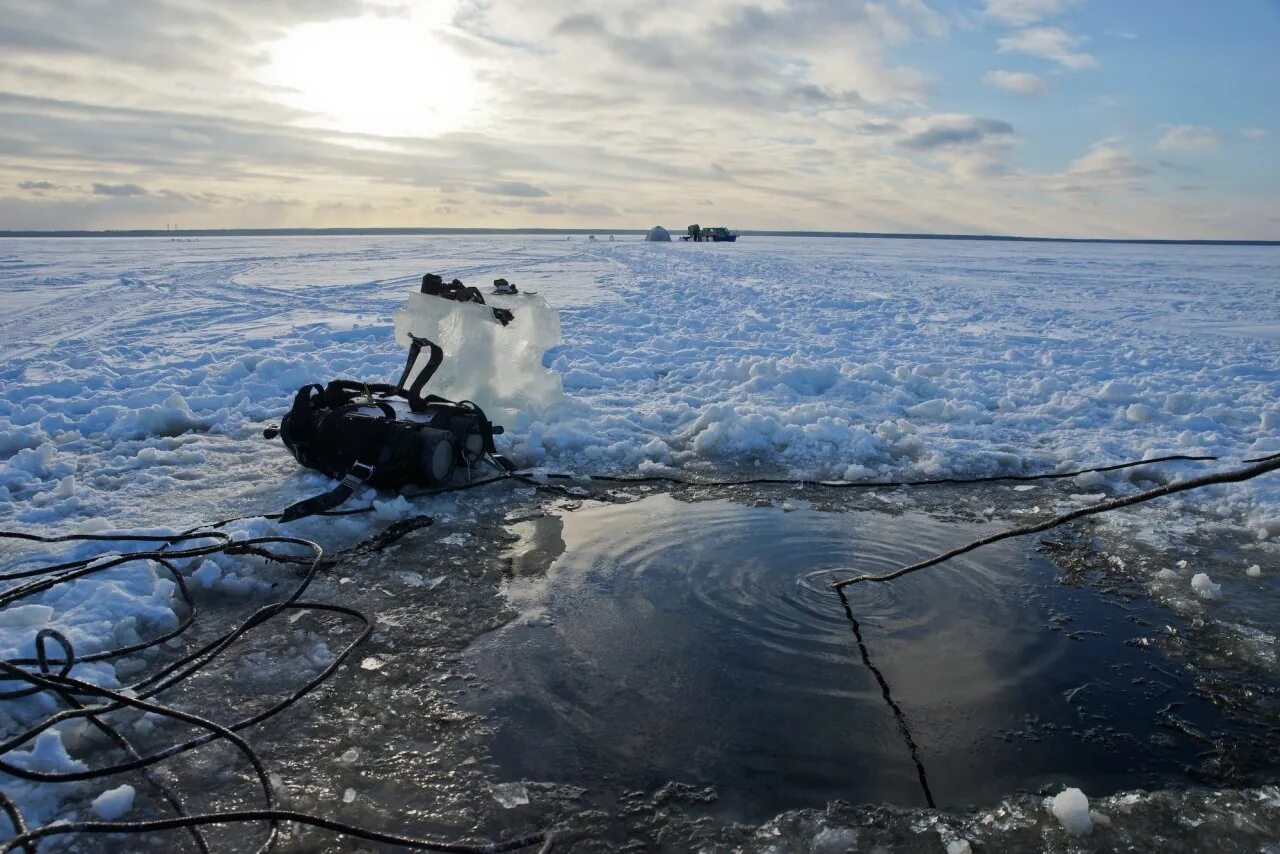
[{"x": 444, "y": 230}]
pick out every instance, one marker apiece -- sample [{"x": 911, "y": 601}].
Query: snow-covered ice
[{"x": 138, "y": 373}]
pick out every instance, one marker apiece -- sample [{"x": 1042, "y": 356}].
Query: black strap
[
  {"x": 357, "y": 476},
  {"x": 414, "y": 392}
]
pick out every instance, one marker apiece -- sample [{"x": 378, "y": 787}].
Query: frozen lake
[{"x": 137, "y": 376}]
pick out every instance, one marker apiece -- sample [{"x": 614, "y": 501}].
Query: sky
[{"x": 1084, "y": 118}]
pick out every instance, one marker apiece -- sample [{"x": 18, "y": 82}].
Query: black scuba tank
[{"x": 328, "y": 431}]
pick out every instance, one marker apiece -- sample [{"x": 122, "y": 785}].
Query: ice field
[
  {"x": 137, "y": 376},
  {"x": 137, "y": 373}
]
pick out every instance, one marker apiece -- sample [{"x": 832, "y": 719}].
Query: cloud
[
  {"x": 515, "y": 188},
  {"x": 590, "y": 115},
  {"x": 954, "y": 131},
  {"x": 37, "y": 186},
  {"x": 1021, "y": 83},
  {"x": 1107, "y": 163},
  {"x": 189, "y": 137},
  {"x": 878, "y": 127},
  {"x": 1253, "y": 133},
  {"x": 118, "y": 190},
  {"x": 1187, "y": 138},
  {"x": 1050, "y": 43},
  {"x": 1023, "y": 12}
]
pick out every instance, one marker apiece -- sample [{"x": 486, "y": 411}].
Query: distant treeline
[{"x": 329, "y": 232}]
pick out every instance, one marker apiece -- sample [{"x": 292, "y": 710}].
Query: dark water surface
[{"x": 699, "y": 642}]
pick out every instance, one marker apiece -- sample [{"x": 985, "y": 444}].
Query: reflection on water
[{"x": 700, "y": 642}]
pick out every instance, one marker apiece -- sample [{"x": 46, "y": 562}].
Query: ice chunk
[
  {"x": 1204, "y": 587},
  {"x": 114, "y": 803},
  {"x": 47, "y": 754},
  {"x": 397, "y": 508},
  {"x": 349, "y": 796},
  {"x": 208, "y": 574},
  {"x": 510, "y": 794},
  {"x": 1253, "y": 571},
  {"x": 1268, "y": 528},
  {"x": 350, "y": 757},
  {"x": 1071, "y": 809},
  {"x": 959, "y": 846},
  {"x": 833, "y": 840},
  {"x": 25, "y": 616},
  {"x": 1140, "y": 412},
  {"x": 1117, "y": 392},
  {"x": 1090, "y": 479},
  {"x": 498, "y": 367}
]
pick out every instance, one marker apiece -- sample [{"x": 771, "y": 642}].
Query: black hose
[
  {"x": 82, "y": 700},
  {"x": 1259, "y": 466},
  {"x": 884, "y": 484}
]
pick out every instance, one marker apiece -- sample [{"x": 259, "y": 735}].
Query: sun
[{"x": 383, "y": 76}]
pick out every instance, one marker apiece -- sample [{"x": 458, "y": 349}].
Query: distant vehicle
[{"x": 719, "y": 234}]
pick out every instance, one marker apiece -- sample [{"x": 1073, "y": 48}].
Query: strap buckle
[{"x": 355, "y": 476}]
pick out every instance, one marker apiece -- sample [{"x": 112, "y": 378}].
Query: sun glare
[{"x": 378, "y": 76}]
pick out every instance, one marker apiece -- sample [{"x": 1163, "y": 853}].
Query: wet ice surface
[
  {"x": 699, "y": 642},
  {"x": 415, "y": 733}
]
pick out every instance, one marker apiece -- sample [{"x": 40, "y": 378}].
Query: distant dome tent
[{"x": 657, "y": 234}]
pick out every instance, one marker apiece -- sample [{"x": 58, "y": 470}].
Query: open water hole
[{"x": 700, "y": 642}]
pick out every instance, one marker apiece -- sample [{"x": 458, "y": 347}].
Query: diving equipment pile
[{"x": 394, "y": 436}]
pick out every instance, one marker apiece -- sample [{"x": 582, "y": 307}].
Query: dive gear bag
[{"x": 387, "y": 436}]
